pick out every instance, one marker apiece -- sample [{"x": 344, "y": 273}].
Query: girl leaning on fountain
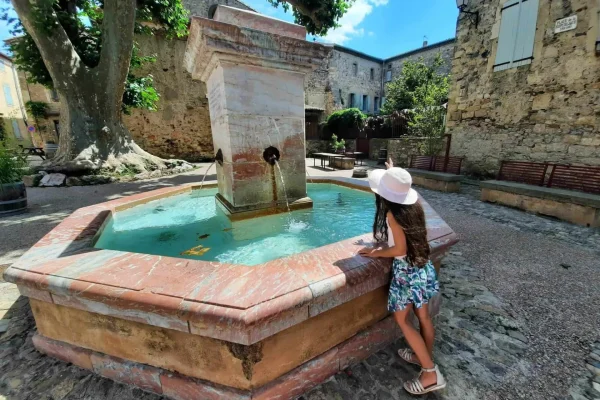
[{"x": 400, "y": 221}]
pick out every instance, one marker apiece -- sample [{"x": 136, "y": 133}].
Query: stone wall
[
  {"x": 399, "y": 149},
  {"x": 180, "y": 128},
  {"x": 546, "y": 111},
  {"x": 343, "y": 81},
  {"x": 428, "y": 54},
  {"x": 318, "y": 88}
]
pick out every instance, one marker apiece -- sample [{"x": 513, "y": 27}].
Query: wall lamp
[{"x": 473, "y": 15}]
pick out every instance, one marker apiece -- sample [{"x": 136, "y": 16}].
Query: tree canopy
[
  {"x": 82, "y": 22},
  {"x": 419, "y": 85}
]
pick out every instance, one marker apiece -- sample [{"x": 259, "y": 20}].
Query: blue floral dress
[{"x": 411, "y": 285}]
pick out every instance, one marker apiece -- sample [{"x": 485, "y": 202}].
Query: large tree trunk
[
  {"x": 93, "y": 137},
  {"x": 92, "y": 134}
]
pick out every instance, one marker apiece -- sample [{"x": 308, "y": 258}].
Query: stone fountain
[
  {"x": 254, "y": 67},
  {"x": 193, "y": 329}
]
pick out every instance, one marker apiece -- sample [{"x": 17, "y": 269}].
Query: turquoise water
[{"x": 190, "y": 225}]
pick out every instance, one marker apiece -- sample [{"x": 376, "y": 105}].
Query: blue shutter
[
  {"x": 526, "y": 32},
  {"x": 16, "y": 130},
  {"x": 7, "y": 95},
  {"x": 508, "y": 35}
]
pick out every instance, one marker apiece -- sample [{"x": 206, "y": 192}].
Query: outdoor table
[
  {"x": 357, "y": 155},
  {"x": 324, "y": 156},
  {"x": 34, "y": 151}
]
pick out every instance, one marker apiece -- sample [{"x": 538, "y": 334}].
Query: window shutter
[
  {"x": 16, "y": 130},
  {"x": 526, "y": 32},
  {"x": 7, "y": 95},
  {"x": 508, "y": 35}
]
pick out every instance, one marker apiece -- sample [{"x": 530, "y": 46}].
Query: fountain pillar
[{"x": 254, "y": 68}]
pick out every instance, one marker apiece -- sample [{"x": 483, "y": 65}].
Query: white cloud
[{"x": 351, "y": 20}]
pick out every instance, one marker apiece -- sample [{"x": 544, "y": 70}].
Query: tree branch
[
  {"x": 117, "y": 44},
  {"x": 306, "y": 11},
  {"x": 59, "y": 55}
]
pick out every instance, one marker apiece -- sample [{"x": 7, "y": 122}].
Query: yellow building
[{"x": 12, "y": 107}]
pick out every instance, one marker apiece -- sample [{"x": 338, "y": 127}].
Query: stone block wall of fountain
[{"x": 255, "y": 82}]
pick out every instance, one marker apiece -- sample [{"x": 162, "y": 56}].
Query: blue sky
[{"x": 382, "y": 28}]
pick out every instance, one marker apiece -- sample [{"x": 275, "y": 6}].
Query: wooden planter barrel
[{"x": 13, "y": 197}]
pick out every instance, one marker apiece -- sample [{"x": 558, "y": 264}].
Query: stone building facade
[{"x": 523, "y": 90}]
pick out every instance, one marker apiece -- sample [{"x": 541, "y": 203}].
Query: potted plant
[
  {"x": 13, "y": 196},
  {"x": 339, "y": 147}
]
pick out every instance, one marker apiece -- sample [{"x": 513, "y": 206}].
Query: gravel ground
[{"x": 544, "y": 272}]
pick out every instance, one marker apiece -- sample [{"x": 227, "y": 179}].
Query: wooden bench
[
  {"x": 523, "y": 172},
  {"x": 567, "y": 192},
  {"x": 437, "y": 172}
]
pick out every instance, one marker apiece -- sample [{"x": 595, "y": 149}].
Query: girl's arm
[{"x": 399, "y": 248}]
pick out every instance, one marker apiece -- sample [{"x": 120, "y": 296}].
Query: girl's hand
[
  {"x": 367, "y": 251},
  {"x": 389, "y": 163}
]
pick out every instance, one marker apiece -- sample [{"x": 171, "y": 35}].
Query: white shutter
[
  {"x": 526, "y": 32},
  {"x": 508, "y": 35}
]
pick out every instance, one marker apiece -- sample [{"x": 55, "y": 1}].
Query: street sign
[
  {"x": 31, "y": 128},
  {"x": 566, "y": 24}
]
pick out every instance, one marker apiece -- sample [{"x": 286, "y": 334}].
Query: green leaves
[
  {"x": 342, "y": 120},
  {"x": 419, "y": 85},
  {"x": 12, "y": 164},
  {"x": 82, "y": 21},
  {"x": 36, "y": 108},
  {"x": 421, "y": 90},
  {"x": 140, "y": 93},
  {"x": 318, "y": 16}
]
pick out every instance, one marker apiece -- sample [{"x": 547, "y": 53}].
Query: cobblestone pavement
[{"x": 519, "y": 317}]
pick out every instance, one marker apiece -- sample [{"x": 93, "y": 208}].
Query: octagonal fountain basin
[{"x": 162, "y": 291}]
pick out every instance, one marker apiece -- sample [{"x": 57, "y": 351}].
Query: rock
[
  {"x": 155, "y": 174},
  {"x": 517, "y": 335},
  {"x": 73, "y": 181},
  {"x": 4, "y": 323},
  {"x": 43, "y": 173},
  {"x": 53, "y": 180},
  {"x": 32, "y": 180}
]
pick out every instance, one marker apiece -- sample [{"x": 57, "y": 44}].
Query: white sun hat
[{"x": 393, "y": 185}]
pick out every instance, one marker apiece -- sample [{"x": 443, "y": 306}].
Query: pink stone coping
[
  {"x": 249, "y": 19},
  {"x": 180, "y": 387},
  {"x": 235, "y": 303}
]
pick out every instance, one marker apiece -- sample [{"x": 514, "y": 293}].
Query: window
[
  {"x": 517, "y": 33},
  {"x": 355, "y": 69},
  {"x": 372, "y": 74},
  {"x": 352, "y": 102},
  {"x": 388, "y": 73},
  {"x": 16, "y": 129},
  {"x": 7, "y": 95},
  {"x": 365, "y": 103},
  {"x": 57, "y": 127},
  {"x": 376, "y": 104},
  {"x": 54, "y": 95}
]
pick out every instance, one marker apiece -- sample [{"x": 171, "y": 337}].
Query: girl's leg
[
  {"x": 417, "y": 344},
  {"x": 427, "y": 329}
]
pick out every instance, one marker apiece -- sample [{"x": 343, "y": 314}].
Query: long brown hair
[{"x": 412, "y": 220}]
